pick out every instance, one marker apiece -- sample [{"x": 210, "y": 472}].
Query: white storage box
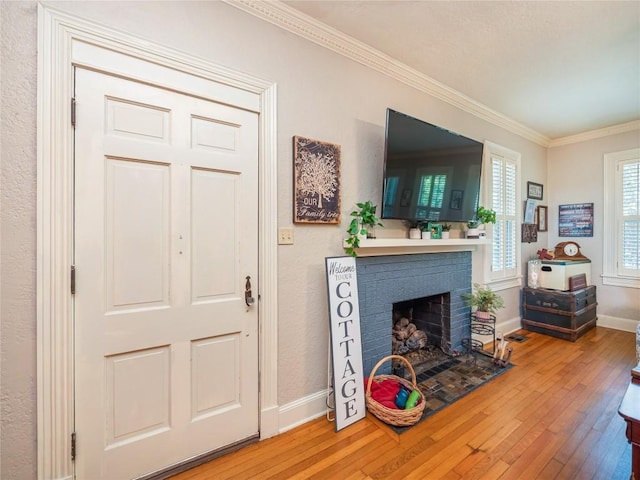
[{"x": 555, "y": 274}]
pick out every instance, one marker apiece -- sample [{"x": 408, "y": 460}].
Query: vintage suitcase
[{"x": 566, "y": 315}]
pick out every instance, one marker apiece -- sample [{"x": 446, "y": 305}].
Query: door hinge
[
  {"x": 73, "y": 446},
  {"x": 73, "y": 280},
  {"x": 73, "y": 111}
]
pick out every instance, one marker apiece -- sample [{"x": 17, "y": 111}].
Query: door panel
[
  {"x": 165, "y": 236},
  {"x": 137, "y": 265},
  {"x": 207, "y": 396},
  {"x": 136, "y": 409},
  {"x": 211, "y": 244}
]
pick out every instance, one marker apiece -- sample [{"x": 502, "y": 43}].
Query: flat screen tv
[{"x": 430, "y": 173}]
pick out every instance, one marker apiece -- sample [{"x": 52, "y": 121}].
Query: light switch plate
[{"x": 285, "y": 236}]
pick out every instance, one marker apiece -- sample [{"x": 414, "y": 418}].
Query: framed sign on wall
[
  {"x": 534, "y": 190},
  {"x": 542, "y": 218},
  {"x": 316, "y": 169},
  {"x": 575, "y": 220},
  {"x": 529, "y": 233},
  {"x": 529, "y": 211}
]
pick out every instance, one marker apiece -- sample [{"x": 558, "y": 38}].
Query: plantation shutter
[
  {"x": 503, "y": 201},
  {"x": 629, "y": 258}
]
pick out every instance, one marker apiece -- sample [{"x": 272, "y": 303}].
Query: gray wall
[
  {"x": 320, "y": 95},
  {"x": 18, "y": 241}
]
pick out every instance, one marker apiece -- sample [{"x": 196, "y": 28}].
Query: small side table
[{"x": 630, "y": 411}]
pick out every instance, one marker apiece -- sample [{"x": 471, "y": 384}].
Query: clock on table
[{"x": 568, "y": 251}]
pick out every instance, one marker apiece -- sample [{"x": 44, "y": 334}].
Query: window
[
  {"x": 502, "y": 194},
  {"x": 621, "y": 240}
]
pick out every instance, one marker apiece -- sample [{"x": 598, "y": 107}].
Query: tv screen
[{"x": 431, "y": 174}]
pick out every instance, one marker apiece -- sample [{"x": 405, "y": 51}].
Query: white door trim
[{"x": 58, "y": 33}]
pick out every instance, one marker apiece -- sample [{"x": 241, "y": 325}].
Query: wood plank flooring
[{"x": 553, "y": 416}]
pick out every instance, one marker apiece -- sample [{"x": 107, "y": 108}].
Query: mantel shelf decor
[{"x": 399, "y": 246}]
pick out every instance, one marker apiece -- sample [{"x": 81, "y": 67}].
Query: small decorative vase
[
  {"x": 426, "y": 235},
  {"x": 414, "y": 233},
  {"x": 533, "y": 274},
  {"x": 445, "y": 235},
  {"x": 371, "y": 232}
]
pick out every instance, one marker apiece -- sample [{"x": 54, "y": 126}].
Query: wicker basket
[{"x": 398, "y": 418}]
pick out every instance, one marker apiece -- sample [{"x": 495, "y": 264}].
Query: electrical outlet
[{"x": 285, "y": 236}]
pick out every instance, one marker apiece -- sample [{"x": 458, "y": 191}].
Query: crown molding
[
  {"x": 290, "y": 19},
  {"x": 593, "y": 134}
]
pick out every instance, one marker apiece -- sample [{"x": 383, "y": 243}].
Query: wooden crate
[{"x": 566, "y": 315}]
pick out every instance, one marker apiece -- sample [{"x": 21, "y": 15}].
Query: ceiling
[{"x": 560, "y": 68}]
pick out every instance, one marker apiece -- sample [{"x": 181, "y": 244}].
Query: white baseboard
[
  {"x": 504, "y": 327},
  {"x": 617, "y": 323},
  {"x": 509, "y": 326},
  {"x": 269, "y": 421},
  {"x": 302, "y": 410}
]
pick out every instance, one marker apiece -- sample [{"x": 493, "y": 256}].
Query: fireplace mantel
[{"x": 404, "y": 246}]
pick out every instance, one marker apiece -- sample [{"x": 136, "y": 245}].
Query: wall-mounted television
[{"x": 430, "y": 173}]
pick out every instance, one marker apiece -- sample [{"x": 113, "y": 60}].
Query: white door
[{"x": 166, "y": 222}]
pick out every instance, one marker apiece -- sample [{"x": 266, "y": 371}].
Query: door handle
[{"x": 248, "y": 298}]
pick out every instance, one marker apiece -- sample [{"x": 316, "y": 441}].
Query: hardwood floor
[{"x": 553, "y": 416}]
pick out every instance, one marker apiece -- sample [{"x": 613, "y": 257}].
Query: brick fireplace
[{"x": 386, "y": 280}]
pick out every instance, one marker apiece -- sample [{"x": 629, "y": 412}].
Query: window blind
[
  {"x": 630, "y": 218},
  {"x": 503, "y": 198}
]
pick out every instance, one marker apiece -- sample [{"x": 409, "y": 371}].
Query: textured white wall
[
  {"x": 18, "y": 227},
  {"x": 320, "y": 95},
  {"x": 576, "y": 176}
]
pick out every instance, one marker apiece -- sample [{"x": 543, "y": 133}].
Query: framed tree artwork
[{"x": 316, "y": 167}]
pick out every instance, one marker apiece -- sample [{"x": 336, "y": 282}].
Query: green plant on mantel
[
  {"x": 363, "y": 219},
  {"x": 483, "y": 215}
]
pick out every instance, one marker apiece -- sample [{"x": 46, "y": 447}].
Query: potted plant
[
  {"x": 415, "y": 230},
  {"x": 485, "y": 300},
  {"x": 483, "y": 216},
  {"x": 446, "y": 227},
  {"x": 362, "y": 224},
  {"x": 472, "y": 229},
  {"x": 425, "y": 231}
]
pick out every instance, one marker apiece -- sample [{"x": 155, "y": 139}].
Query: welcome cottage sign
[{"x": 346, "y": 346}]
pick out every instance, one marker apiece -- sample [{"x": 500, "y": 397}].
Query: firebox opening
[{"x": 421, "y": 331}]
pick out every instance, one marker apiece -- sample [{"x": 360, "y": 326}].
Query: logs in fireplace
[{"x": 417, "y": 332}]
